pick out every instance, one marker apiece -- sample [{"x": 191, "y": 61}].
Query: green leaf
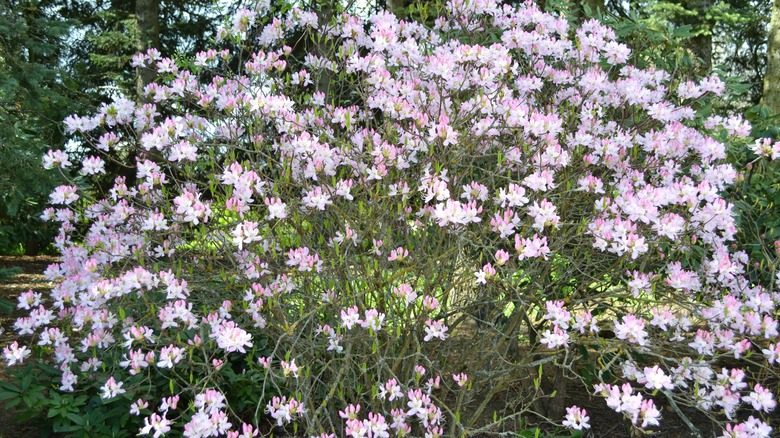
[{"x": 683, "y": 31}]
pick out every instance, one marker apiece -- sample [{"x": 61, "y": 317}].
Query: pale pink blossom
[{"x": 576, "y": 418}]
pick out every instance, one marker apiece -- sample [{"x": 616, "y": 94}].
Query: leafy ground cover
[{"x": 29, "y": 276}]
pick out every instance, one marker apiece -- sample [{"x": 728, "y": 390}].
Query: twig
[{"x": 694, "y": 430}]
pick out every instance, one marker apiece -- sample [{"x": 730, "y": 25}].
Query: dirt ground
[{"x": 605, "y": 422}]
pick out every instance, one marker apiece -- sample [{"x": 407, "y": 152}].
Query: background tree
[
  {"x": 36, "y": 93},
  {"x": 740, "y": 41},
  {"x": 771, "y": 96},
  {"x": 61, "y": 57},
  {"x": 727, "y": 36},
  {"x": 112, "y": 31}
]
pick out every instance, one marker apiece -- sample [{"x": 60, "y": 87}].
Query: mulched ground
[{"x": 604, "y": 421}]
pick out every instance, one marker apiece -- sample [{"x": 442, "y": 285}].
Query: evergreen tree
[
  {"x": 112, "y": 31},
  {"x": 36, "y": 93}
]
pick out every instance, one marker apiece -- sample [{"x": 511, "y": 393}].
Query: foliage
[
  {"x": 756, "y": 194},
  {"x": 400, "y": 226},
  {"x": 83, "y": 414},
  {"x": 6, "y": 274}
]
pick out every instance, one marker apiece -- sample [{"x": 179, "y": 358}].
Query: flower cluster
[{"x": 314, "y": 227}]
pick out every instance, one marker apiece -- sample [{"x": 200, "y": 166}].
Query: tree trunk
[
  {"x": 394, "y": 5},
  {"x": 322, "y": 47},
  {"x": 32, "y": 247},
  {"x": 771, "y": 95},
  {"x": 147, "y": 19},
  {"x": 701, "y": 44}
]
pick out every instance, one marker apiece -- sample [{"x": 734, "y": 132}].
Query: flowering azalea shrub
[{"x": 396, "y": 229}]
